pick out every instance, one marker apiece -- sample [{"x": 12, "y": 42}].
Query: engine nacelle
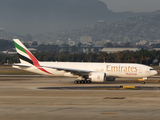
[
  {"x": 98, "y": 76},
  {"x": 110, "y": 79}
]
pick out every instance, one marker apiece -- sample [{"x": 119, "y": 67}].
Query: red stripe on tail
[{"x": 36, "y": 63}]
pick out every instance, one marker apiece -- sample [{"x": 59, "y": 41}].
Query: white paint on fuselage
[
  {"x": 126, "y": 70},
  {"x": 118, "y": 69}
]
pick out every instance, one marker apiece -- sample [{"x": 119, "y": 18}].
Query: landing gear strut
[
  {"x": 143, "y": 82},
  {"x": 82, "y": 81}
]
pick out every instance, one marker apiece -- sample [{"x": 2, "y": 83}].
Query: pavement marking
[
  {"x": 114, "y": 98},
  {"x": 108, "y": 113},
  {"x": 127, "y": 87}
]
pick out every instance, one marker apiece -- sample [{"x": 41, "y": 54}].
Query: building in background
[{"x": 86, "y": 40}]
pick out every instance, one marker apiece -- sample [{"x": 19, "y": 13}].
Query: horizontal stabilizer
[{"x": 22, "y": 65}]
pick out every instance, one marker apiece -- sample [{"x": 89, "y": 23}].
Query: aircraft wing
[{"x": 73, "y": 71}]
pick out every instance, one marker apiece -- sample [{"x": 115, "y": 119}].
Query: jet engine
[
  {"x": 97, "y": 76},
  {"x": 100, "y": 77}
]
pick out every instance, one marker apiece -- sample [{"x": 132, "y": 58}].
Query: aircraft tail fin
[{"x": 25, "y": 56}]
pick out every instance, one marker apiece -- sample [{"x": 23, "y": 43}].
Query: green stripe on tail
[{"x": 19, "y": 47}]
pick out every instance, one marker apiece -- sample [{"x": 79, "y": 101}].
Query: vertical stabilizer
[{"x": 25, "y": 56}]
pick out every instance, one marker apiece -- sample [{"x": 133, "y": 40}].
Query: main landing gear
[{"x": 82, "y": 81}]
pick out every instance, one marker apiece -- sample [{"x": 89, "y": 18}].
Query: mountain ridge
[{"x": 39, "y": 16}]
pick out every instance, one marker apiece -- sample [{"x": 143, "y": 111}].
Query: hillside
[
  {"x": 133, "y": 29},
  {"x": 40, "y": 16},
  {"x": 36, "y": 16}
]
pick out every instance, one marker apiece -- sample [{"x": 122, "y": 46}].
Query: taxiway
[{"x": 20, "y": 99}]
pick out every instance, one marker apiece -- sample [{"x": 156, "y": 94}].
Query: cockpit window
[{"x": 152, "y": 69}]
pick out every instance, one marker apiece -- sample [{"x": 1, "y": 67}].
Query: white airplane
[{"x": 86, "y": 72}]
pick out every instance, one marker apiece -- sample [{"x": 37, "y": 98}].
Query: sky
[{"x": 133, "y": 5}]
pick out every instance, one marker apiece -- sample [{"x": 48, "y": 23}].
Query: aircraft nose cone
[{"x": 154, "y": 72}]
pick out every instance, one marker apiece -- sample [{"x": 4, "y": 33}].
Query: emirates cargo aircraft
[{"x": 86, "y": 72}]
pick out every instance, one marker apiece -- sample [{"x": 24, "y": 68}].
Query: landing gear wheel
[
  {"x": 82, "y": 81},
  {"x": 79, "y": 81},
  {"x": 143, "y": 82},
  {"x": 86, "y": 81},
  {"x": 75, "y": 82}
]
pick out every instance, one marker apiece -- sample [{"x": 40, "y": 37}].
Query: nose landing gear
[{"x": 143, "y": 82}]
